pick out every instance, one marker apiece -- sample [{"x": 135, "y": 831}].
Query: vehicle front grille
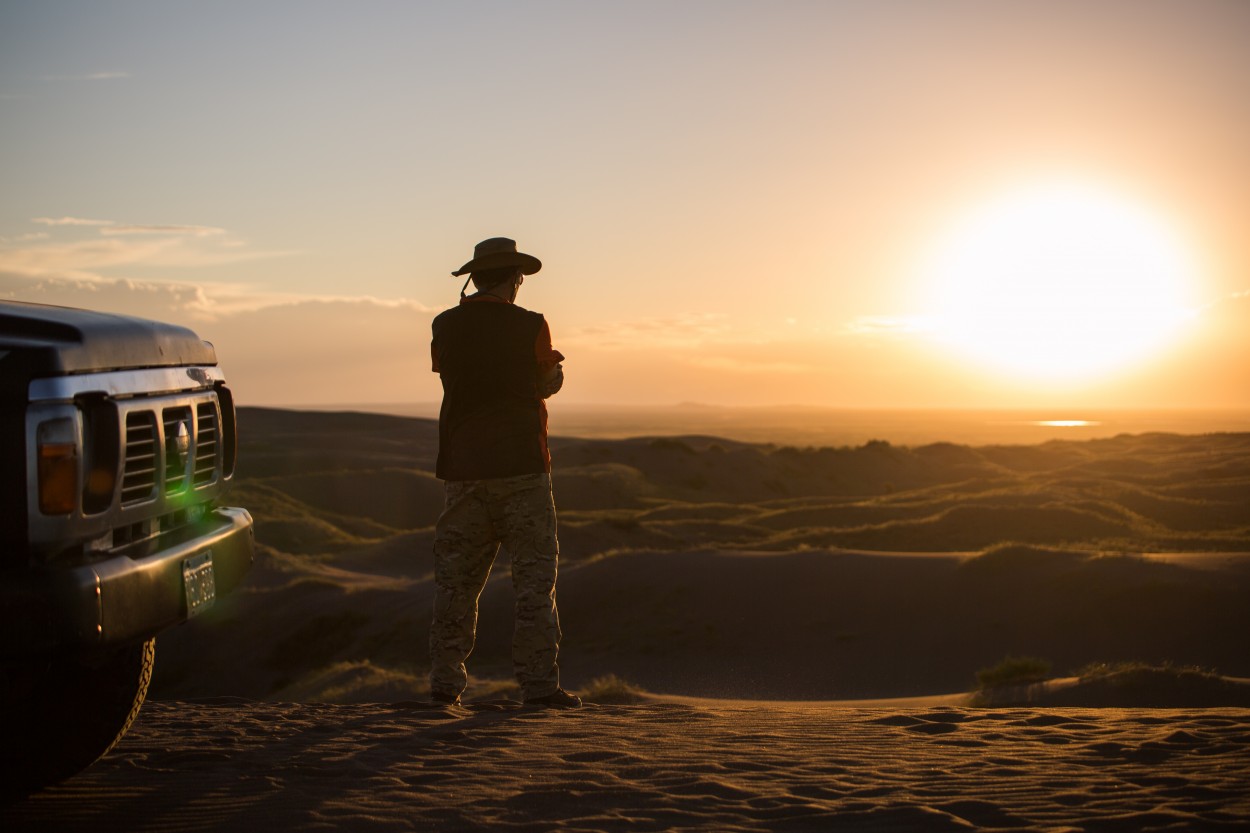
[
  {"x": 171, "y": 449},
  {"x": 156, "y": 453},
  {"x": 139, "y": 469}
]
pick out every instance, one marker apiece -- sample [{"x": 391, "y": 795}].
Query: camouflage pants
[{"x": 479, "y": 515}]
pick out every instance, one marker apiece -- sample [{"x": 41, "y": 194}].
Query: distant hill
[{"x": 1142, "y": 492}]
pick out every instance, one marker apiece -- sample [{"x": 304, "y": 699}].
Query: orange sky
[{"x": 736, "y": 203}]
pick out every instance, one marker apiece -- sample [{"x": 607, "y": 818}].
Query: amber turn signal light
[{"x": 58, "y": 467}]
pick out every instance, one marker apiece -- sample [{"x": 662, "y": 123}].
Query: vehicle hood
[{"x": 37, "y": 340}]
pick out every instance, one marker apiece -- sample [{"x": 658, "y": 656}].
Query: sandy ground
[
  {"x": 709, "y": 568},
  {"x": 241, "y": 765}
]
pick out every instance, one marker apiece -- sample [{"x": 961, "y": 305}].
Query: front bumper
[{"x": 121, "y": 599}]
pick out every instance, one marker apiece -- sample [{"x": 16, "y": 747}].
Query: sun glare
[{"x": 1060, "y": 282}]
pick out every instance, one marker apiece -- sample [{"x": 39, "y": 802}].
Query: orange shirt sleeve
[{"x": 548, "y": 357}]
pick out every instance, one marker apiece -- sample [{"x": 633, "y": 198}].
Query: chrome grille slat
[
  {"x": 139, "y": 468},
  {"x": 205, "y": 468}
]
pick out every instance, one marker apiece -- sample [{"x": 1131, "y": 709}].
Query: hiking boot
[
  {"x": 445, "y": 699},
  {"x": 558, "y": 699}
]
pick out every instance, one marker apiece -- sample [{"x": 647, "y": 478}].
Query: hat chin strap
[{"x": 516, "y": 287}]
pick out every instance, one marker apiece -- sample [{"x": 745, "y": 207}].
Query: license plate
[{"x": 197, "y": 581}]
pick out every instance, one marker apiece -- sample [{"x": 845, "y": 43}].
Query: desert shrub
[
  {"x": 353, "y": 681},
  {"x": 1013, "y": 671},
  {"x": 611, "y": 689},
  {"x": 671, "y": 444},
  {"x": 1128, "y": 671},
  {"x": 1142, "y": 685}
]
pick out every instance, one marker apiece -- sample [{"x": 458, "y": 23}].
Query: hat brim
[{"x": 528, "y": 264}]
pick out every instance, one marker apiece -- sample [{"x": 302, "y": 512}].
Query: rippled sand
[{"x": 240, "y": 765}]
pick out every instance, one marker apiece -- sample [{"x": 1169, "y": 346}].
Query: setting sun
[{"x": 1060, "y": 281}]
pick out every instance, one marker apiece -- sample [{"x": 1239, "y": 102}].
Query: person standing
[{"x": 497, "y": 367}]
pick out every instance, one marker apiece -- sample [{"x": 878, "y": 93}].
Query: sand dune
[
  {"x": 237, "y": 765},
  {"x": 687, "y": 571}
]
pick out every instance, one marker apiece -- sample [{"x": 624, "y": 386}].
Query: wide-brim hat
[{"x": 499, "y": 253}]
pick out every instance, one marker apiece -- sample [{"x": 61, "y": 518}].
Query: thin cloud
[
  {"x": 146, "y": 299},
  {"x": 173, "y": 246},
  {"x": 89, "y": 76},
  {"x": 80, "y": 259},
  {"x": 681, "y": 330},
  {"x": 193, "y": 231},
  {"x": 174, "y": 301},
  {"x": 70, "y": 221}
]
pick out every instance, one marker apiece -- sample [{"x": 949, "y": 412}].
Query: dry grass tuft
[
  {"x": 1013, "y": 671},
  {"x": 612, "y": 690}
]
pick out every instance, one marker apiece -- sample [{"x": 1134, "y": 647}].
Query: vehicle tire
[{"x": 67, "y": 712}]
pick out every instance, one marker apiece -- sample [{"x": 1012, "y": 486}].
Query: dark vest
[{"x": 493, "y": 420}]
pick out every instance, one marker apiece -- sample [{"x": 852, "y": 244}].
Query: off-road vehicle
[{"x": 117, "y": 439}]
